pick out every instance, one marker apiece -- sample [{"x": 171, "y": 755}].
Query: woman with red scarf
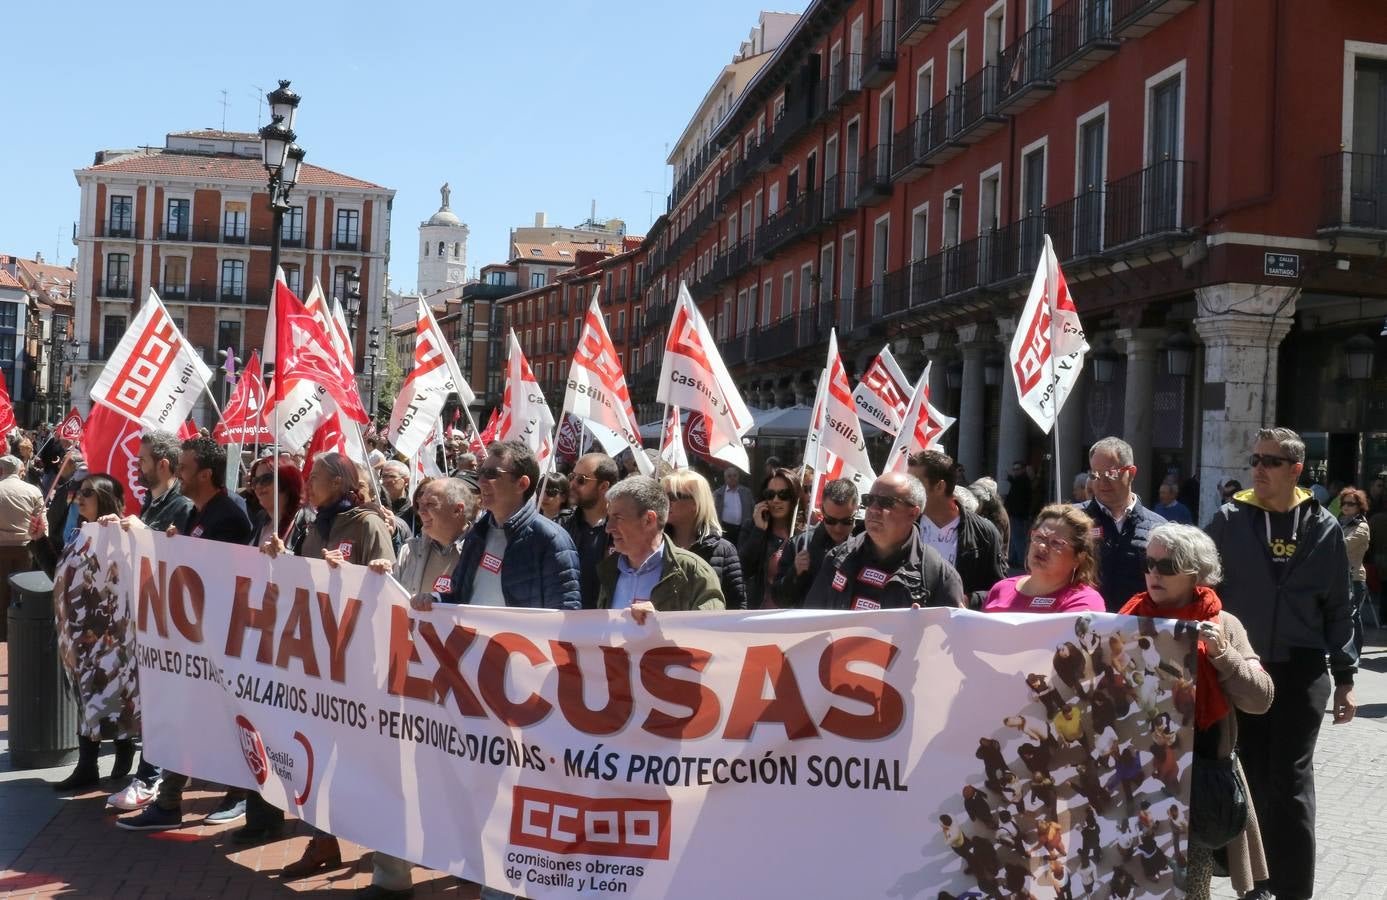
[{"x": 1181, "y": 565}]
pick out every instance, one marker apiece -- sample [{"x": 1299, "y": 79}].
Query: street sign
[{"x": 1281, "y": 265}]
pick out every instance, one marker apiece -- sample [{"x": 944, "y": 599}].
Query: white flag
[
  {"x": 418, "y": 409},
  {"x": 525, "y": 415},
  {"x": 921, "y": 429},
  {"x": 1048, "y": 350},
  {"x": 597, "y": 391},
  {"x": 883, "y": 394},
  {"x": 693, "y": 377},
  {"x": 337, "y": 330},
  {"x": 306, "y": 406},
  {"x": 153, "y": 375},
  {"x": 843, "y": 443},
  {"x": 814, "y": 455},
  {"x": 672, "y": 441}
]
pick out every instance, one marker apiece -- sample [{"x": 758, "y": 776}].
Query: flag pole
[{"x": 1052, "y": 304}]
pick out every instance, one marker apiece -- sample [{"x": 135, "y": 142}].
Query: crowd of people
[{"x": 1276, "y": 586}]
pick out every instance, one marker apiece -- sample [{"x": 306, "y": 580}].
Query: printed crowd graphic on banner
[{"x": 565, "y": 755}]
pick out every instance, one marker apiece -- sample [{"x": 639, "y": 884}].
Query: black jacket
[
  {"x": 923, "y": 577},
  {"x": 593, "y": 545},
  {"x": 220, "y": 520},
  {"x": 980, "y": 558},
  {"x": 757, "y": 551},
  {"x": 719, "y": 553},
  {"x": 1122, "y": 553},
  {"x": 1307, "y": 607},
  {"x": 791, "y": 587},
  {"x": 171, "y": 509}
]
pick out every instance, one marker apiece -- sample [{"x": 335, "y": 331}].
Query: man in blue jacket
[
  {"x": 1121, "y": 522},
  {"x": 513, "y": 556}
]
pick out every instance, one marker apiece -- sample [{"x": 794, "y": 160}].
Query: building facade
[
  {"x": 442, "y": 249},
  {"x": 191, "y": 220},
  {"x": 1210, "y": 175},
  {"x": 36, "y": 342}
]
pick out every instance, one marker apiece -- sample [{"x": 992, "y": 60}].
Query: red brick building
[
  {"x": 192, "y": 221},
  {"x": 1212, "y": 176}
]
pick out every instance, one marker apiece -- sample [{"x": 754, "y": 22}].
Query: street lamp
[
  {"x": 373, "y": 346},
  {"x": 282, "y": 159},
  {"x": 353, "y": 300}
]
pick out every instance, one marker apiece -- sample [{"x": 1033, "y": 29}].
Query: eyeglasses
[
  {"x": 87, "y": 492},
  {"x": 581, "y": 479},
  {"x": 886, "y": 503},
  {"x": 830, "y": 520},
  {"x": 674, "y": 497},
  {"x": 1045, "y": 539},
  {"x": 263, "y": 480},
  {"x": 491, "y": 474},
  {"x": 783, "y": 494},
  {"x": 553, "y": 491},
  {"x": 1270, "y": 462},
  {"x": 1111, "y": 474},
  {"x": 1164, "y": 566}
]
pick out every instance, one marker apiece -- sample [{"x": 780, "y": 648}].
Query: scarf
[
  {"x": 1209, "y": 703},
  {"x": 328, "y": 514}
]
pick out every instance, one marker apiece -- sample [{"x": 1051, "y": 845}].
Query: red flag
[
  {"x": 188, "y": 430},
  {"x": 488, "y": 435},
  {"x": 70, "y": 429},
  {"x": 304, "y": 352},
  {"x": 111, "y": 446},
  {"x": 7, "y": 422},
  {"x": 243, "y": 420},
  {"x": 327, "y": 439}
]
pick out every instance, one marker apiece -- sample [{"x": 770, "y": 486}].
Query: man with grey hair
[
  {"x": 647, "y": 571},
  {"x": 1121, "y": 523},
  {"x": 21, "y": 520},
  {"x": 887, "y": 566},
  {"x": 1287, "y": 579},
  {"x": 394, "y": 482}
]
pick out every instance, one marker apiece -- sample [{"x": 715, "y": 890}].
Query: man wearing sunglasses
[
  {"x": 586, "y": 523},
  {"x": 1121, "y": 523},
  {"x": 887, "y": 566},
  {"x": 800, "y": 564},
  {"x": 966, "y": 541},
  {"x": 1286, "y": 578},
  {"x": 514, "y": 556}
]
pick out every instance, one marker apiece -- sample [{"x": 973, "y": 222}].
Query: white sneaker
[{"x": 136, "y": 795}]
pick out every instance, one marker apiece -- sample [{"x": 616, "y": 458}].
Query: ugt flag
[
  {"x": 1048, "y": 350},
  {"x": 153, "y": 375}
]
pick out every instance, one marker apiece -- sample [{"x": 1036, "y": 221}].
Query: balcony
[
  {"x": 1080, "y": 37},
  {"x": 734, "y": 350},
  {"x": 879, "y": 62},
  {"x": 116, "y": 288},
  {"x": 917, "y": 20},
  {"x": 1025, "y": 68},
  {"x": 116, "y": 228},
  {"x": 845, "y": 80},
  {"x": 1149, "y": 205},
  {"x": 1134, "y": 18},
  {"x": 173, "y": 292},
  {"x": 175, "y": 232},
  {"x": 1355, "y": 195},
  {"x": 972, "y": 108},
  {"x": 813, "y": 325},
  {"x": 291, "y": 240},
  {"x": 875, "y": 183},
  {"x": 794, "y": 118},
  {"x": 1013, "y": 252},
  {"x": 774, "y": 341},
  {"x": 1076, "y": 226},
  {"x": 740, "y": 256},
  {"x": 351, "y": 242},
  {"x": 234, "y": 234},
  {"x": 484, "y": 291},
  {"x": 839, "y": 196},
  {"x": 916, "y": 143},
  {"x": 797, "y": 218}
]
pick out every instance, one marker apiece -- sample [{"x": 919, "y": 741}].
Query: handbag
[{"x": 1218, "y": 797}]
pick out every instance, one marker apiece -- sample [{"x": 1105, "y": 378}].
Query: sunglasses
[
  {"x": 830, "y": 520},
  {"x": 263, "y": 480},
  {"x": 87, "y": 492},
  {"x": 674, "y": 497},
  {"x": 1164, "y": 566},
  {"x": 582, "y": 479},
  {"x": 552, "y": 492},
  {"x": 1110, "y": 474},
  {"x": 491, "y": 474},
  {"x": 1270, "y": 462},
  {"x": 886, "y": 503},
  {"x": 783, "y": 494}
]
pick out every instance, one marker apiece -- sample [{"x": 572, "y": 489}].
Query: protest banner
[{"x": 783, "y": 753}]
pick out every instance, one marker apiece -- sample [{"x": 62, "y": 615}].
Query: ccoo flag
[
  {"x": 883, "y": 394},
  {"x": 693, "y": 377},
  {"x": 418, "y": 409},
  {"x": 921, "y": 429},
  {"x": 525, "y": 415},
  {"x": 597, "y": 391},
  {"x": 842, "y": 445},
  {"x": 672, "y": 441},
  {"x": 1048, "y": 350}
]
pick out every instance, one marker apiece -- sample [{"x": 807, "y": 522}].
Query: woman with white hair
[{"x": 1182, "y": 565}]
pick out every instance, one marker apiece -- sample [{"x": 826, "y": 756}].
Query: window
[
  {"x": 881, "y": 237},
  {"x": 339, "y": 281},
  {"x": 112, "y": 329},
  {"x": 291, "y": 232},
  {"x": 233, "y": 279},
  {"x": 234, "y": 222},
  {"x": 1093, "y": 164},
  {"x": 1161, "y": 202},
  {"x": 553, "y": 331},
  {"x": 349, "y": 229},
  {"x": 826, "y": 275},
  {"x": 175, "y": 277},
  {"x": 121, "y": 222},
  {"x": 177, "y": 219},
  {"x": 9, "y": 315},
  {"x": 118, "y": 274},
  {"x": 457, "y": 250},
  {"x": 7, "y": 348},
  {"x": 440, "y": 249},
  {"x": 293, "y": 277},
  {"x": 536, "y": 279},
  {"x": 620, "y": 325},
  {"x": 229, "y": 335},
  {"x": 563, "y": 333}
]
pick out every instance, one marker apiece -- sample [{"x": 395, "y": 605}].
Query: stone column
[
  {"x": 1141, "y": 346},
  {"x": 1241, "y": 327},
  {"x": 1012, "y": 428},
  {"x": 974, "y": 341},
  {"x": 1072, "y": 446}
]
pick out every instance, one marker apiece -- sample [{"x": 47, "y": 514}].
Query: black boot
[
  {"x": 125, "y": 758},
  {"x": 86, "y": 774}
]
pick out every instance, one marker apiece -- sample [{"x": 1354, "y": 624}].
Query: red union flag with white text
[
  {"x": 921, "y": 430},
  {"x": 597, "y": 391},
  {"x": 883, "y": 394},
  {"x": 7, "y": 422},
  {"x": 305, "y": 353},
  {"x": 70, "y": 428},
  {"x": 840, "y": 434},
  {"x": 111, "y": 444},
  {"x": 418, "y": 410},
  {"x": 1048, "y": 350},
  {"x": 693, "y": 377},
  {"x": 525, "y": 415},
  {"x": 153, "y": 375},
  {"x": 243, "y": 420}
]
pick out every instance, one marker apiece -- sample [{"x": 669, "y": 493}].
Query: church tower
[{"x": 442, "y": 249}]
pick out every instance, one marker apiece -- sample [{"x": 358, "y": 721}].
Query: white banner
[
  {"x": 153, "y": 375},
  {"x": 565, "y": 755},
  {"x": 883, "y": 394}
]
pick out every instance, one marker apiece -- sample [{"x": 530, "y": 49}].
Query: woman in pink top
[{"x": 1061, "y": 567}]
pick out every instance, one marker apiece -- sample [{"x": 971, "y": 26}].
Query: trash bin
[{"x": 43, "y": 709}]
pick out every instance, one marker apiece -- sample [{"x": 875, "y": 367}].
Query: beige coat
[
  {"x": 1356, "y": 541},
  {"x": 1248, "y": 687}
]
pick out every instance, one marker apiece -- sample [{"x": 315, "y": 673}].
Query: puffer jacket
[
  {"x": 539, "y": 570},
  {"x": 721, "y": 556}
]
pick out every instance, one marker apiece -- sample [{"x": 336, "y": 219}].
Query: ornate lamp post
[
  {"x": 373, "y": 347},
  {"x": 282, "y": 158}
]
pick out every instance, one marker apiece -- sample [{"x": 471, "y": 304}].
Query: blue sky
[{"x": 521, "y": 107}]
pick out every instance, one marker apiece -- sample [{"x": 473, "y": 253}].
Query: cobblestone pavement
[{"x": 54, "y": 846}]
